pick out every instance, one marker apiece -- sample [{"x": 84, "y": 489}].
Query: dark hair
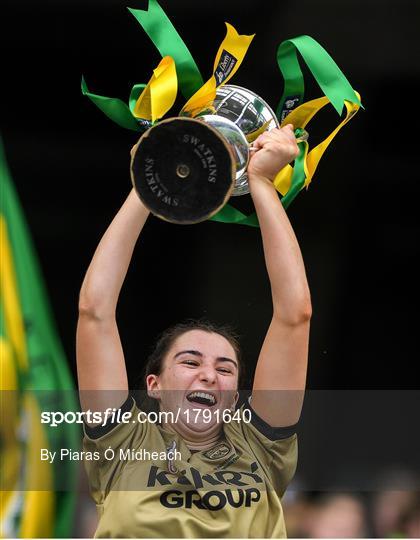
[{"x": 154, "y": 364}]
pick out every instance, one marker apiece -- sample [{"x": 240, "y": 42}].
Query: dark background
[{"x": 357, "y": 224}]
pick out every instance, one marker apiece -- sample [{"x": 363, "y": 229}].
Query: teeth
[{"x": 202, "y": 395}]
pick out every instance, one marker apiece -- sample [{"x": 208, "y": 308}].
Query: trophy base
[{"x": 183, "y": 170}]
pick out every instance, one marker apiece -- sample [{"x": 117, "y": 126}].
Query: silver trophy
[
  {"x": 186, "y": 168},
  {"x": 240, "y": 116}
]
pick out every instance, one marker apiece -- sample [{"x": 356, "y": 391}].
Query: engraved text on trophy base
[
  {"x": 156, "y": 187},
  {"x": 206, "y": 156}
]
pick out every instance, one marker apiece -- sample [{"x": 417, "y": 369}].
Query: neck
[{"x": 196, "y": 440}]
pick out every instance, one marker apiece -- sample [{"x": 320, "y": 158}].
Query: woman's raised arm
[
  {"x": 280, "y": 375},
  {"x": 100, "y": 359}
]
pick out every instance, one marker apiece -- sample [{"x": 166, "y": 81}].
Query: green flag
[{"x": 37, "y": 499}]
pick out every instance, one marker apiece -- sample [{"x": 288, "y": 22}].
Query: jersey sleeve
[
  {"x": 275, "y": 449},
  {"x": 103, "y": 444}
]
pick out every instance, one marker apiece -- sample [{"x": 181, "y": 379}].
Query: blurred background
[{"x": 357, "y": 225}]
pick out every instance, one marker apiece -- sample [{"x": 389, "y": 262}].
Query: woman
[{"x": 213, "y": 476}]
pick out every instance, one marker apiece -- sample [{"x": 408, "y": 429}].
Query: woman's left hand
[{"x": 274, "y": 149}]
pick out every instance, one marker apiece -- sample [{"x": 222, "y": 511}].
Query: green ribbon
[
  {"x": 169, "y": 43},
  {"x": 229, "y": 214},
  {"x": 298, "y": 177},
  {"x": 134, "y": 95},
  {"x": 115, "y": 108},
  {"x": 325, "y": 71}
]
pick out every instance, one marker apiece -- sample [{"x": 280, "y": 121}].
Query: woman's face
[{"x": 199, "y": 380}]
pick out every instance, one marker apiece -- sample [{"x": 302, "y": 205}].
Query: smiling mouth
[{"x": 203, "y": 398}]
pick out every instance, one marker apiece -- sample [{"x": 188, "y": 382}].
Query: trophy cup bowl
[
  {"x": 252, "y": 115},
  {"x": 184, "y": 169}
]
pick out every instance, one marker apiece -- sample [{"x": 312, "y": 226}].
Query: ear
[{"x": 153, "y": 387}]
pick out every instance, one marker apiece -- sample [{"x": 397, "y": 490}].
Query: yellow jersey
[{"x": 146, "y": 482}]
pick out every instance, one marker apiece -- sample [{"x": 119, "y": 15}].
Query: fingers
[
  {"x": 133, "y": 150},
  {"x": 287, "y": 132},
  {"x": 276, "y": 134},
  {"x": 284, "y": 136}
]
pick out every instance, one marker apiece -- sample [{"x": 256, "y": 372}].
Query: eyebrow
[{"x": 199, "y": 354}]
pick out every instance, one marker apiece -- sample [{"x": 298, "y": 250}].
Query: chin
[{"x": 199, "y": 418}]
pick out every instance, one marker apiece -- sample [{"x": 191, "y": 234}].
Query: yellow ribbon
[
  {"x": 160, "y": 93},
  {"x": 229, "y": 57},
  {"x": 300, "y": 117},
  {"x": 39, "y": 477},
  {"x": 11, "y": 448}
]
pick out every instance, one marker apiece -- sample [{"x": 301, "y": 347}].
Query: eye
[
  {"x": 190, "y": 362},
  {"x": 224, "y": 370}
]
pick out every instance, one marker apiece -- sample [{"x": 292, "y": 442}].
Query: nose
[{"x": 207, "y": 374}]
